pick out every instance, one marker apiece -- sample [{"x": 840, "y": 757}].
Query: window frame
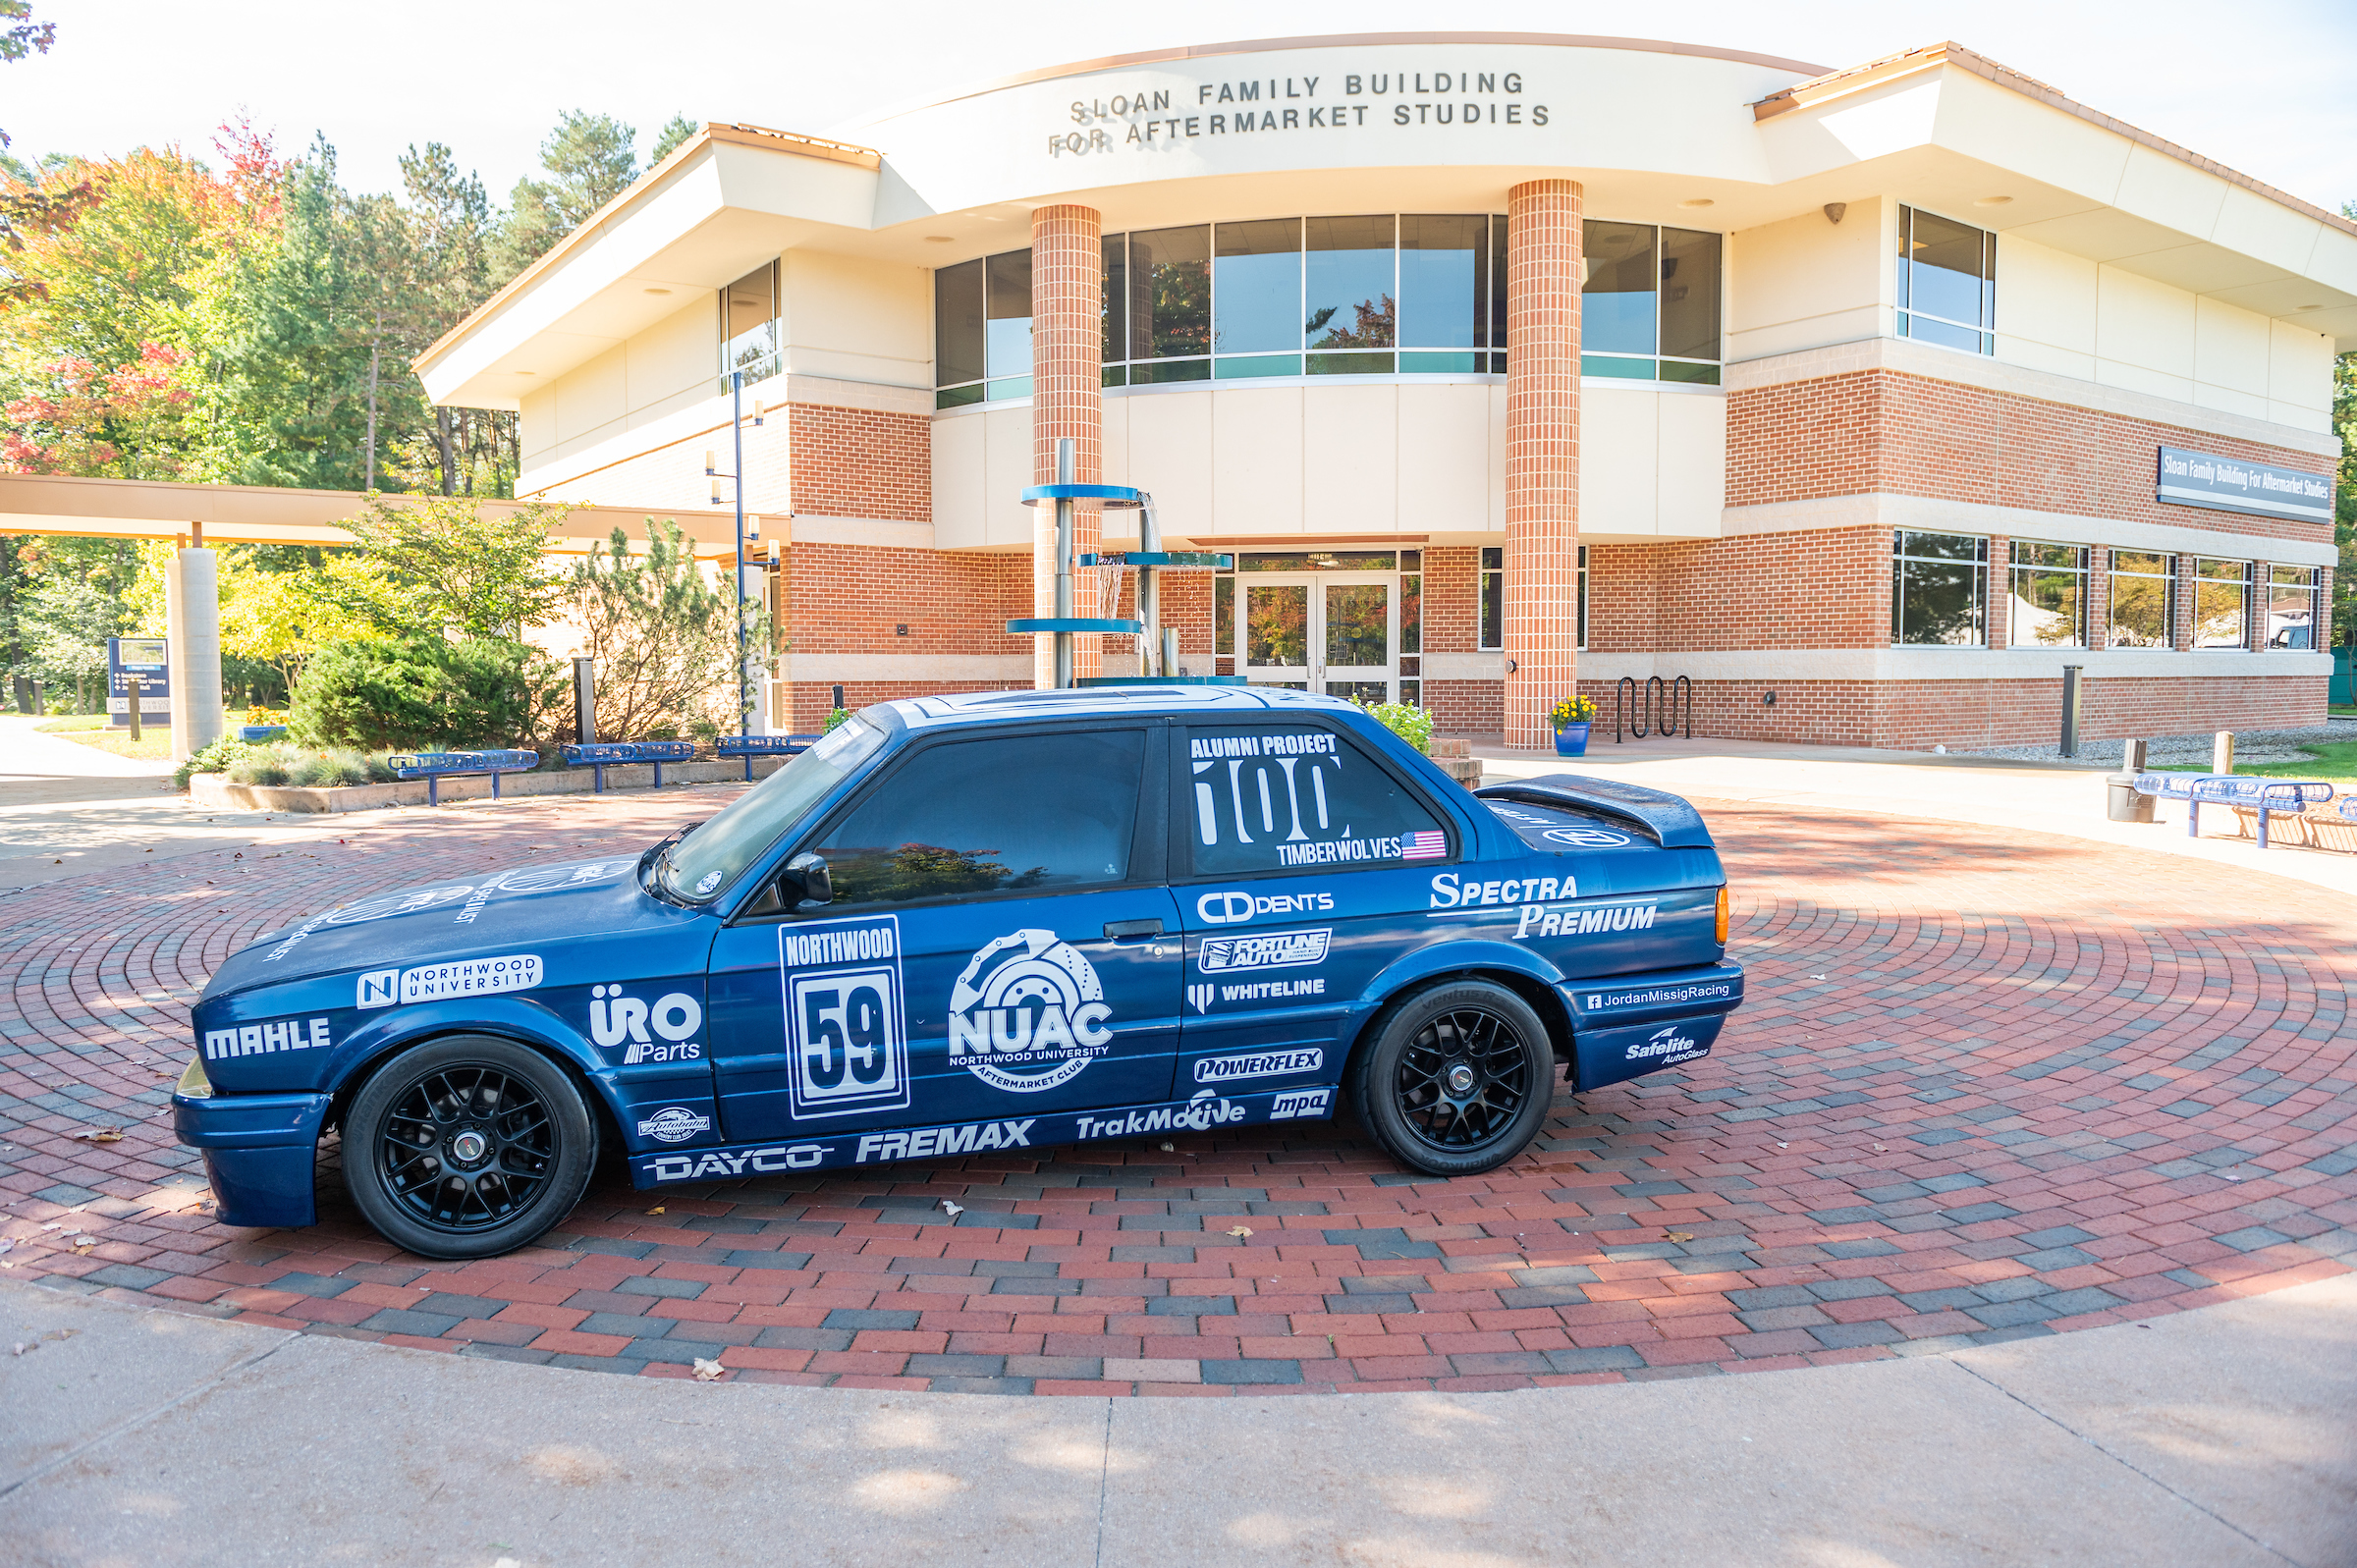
[
  {"x": 772, "y": 362},
  {"x": 2112, "y": 576},
  {"x": 1180, "y": 779},
  {"x": 1600, "y": 363},
  {"x": 1482, "y": 573},
  {"x": 2312, "y": 587},
  {"x": 1902, "y": 312},
  {"x": 2246, "y": 582},
  {"x": 1980, "y": 563},
  {"x": 2016, "y": 568}
]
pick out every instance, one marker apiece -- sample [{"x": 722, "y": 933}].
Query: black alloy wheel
[
  {"x": 467, "y": 1147},
  {"x": 1456, "y": 1079}
]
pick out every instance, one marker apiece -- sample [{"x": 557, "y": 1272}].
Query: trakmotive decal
[
  {"x": 724, "y": 1163},
  {"x": 1259, "y": 1064},
  {"x": 1235, "y": 908},
  {"x": 1276, "y": 949},
  {"x": 467, "y": 977},
  {"x": 972, "y": 1138},
  {"x": 1208, "y": 1110},
  {"x": 1449, "y": 892},
  {"x": 673, "y": 1124},
  {"x": 1301, "y": 1102},
  {"x": 1027, "y": 1013},
  {"x": 1664, "y": 1048},
  {"x": 260, "y": 1039},
  {"x": 847, "y": 1023},
  {"x": 619, "y": 1020},
  {"x": 1580, "y": 920}
]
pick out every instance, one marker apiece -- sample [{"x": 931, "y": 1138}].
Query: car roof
[{"x": 1140, "y": 701}]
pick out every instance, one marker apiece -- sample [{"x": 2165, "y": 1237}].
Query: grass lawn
[
  {"x": 90, "y": 729},
  {"x": 2335, "y": 764}
]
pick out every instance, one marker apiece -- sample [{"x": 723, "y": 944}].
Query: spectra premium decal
[
  {"x": 1259, "y": 1064},
  {"x": 261, "y": 1038},
  {"x": 1580, "y": 920},
  {"x": 1276, "y": 949},
  {"x": 465, "y": 977},
  {"x": 673, "y": 1124},
  {"x": 845, "y": 1015},
  {"x": 619, "y": 1020},
  {"x": 1665, "y": 1048},
  {"x": 1027, "y": 1013},
  {"x": 1235, "y": 908},
  {"x": 1451, "y": 892}
]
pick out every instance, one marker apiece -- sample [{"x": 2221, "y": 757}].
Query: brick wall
[{"x": 859, "y": 462}]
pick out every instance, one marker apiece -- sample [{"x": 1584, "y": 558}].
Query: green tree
[
  {"x": 590, "y": 160},
  {"x": 21, "y": 37},
  {"x": 436, "y": 565},
  {"x": 2344, "y": 505},
  {"x": 676, "y": 131},
  {"x": 664, "y": 638}
]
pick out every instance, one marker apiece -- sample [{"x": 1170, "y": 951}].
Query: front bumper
[
  {"x": 1633, "y": 1024},
  {"x": 259, "y": 1151}
]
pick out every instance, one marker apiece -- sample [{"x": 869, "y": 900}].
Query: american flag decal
[{"x": 1431, "y": 845}]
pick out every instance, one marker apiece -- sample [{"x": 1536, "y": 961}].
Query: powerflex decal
[
  {"x": 1277, "y": 949},
  {"x": 263, "y": 1038},
  {"x": 1259, "y": 1064},
  {"x": 1450, "y": 892},
  {"x": 1028, "y": 1014},
  {"x": 847, "y": 1023}
]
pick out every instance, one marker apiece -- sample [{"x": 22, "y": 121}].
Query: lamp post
[{"x": 744, "y": 656}]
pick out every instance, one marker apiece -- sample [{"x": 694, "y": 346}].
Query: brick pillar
[
  {"x": 1541, "y": 453},
  {"x": 1068, "y": 307}
]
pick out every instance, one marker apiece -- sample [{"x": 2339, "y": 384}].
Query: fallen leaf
[
  {"x": 20, "y": 1347},
  {"x": 658, "y": 1208},
  {"x": 53, "y": 1225},
  {"x": 98, "y": 1135},
  {"x": 1240, "y": 1230},
  {"x": 1677, "y": 1235},
  {"x": 1879, "y": 1149},
  {"x": 6, "y": 1245},
  {"x": 1167, "y": 1147},
  {"x": 951, "y": 1209},
  {"x": 1783, "y": 1145},
  {"x": 708, "y": 1371}
]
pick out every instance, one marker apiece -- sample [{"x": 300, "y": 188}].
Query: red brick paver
[{"x": 1988, "y": 1085}]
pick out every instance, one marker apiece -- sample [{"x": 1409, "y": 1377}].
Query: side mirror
[{"x": 810, "y": 870}]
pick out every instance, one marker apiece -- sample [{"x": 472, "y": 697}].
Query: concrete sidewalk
[{"x": 2226, "y": 1436}]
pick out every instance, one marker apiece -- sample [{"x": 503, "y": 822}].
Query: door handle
[{"x": 1117, "y": 930}]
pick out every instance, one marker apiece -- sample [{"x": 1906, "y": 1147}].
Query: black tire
[
  {"x": 1456, "y": 1079},
  {"x": 467, "y": 1147}
]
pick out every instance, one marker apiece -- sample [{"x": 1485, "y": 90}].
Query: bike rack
[{"x": 1657, "y": 712}]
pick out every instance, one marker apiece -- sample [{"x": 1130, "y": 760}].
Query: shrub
[
  {"x": 330, "y": 770},
  {"x": 1405, "y": 719},
  {"x": 267, "y": 765},
  {"x": 836, "y": 718},
  {"x": 215, "y": 758},
  {"x": 403, "y": 696}
]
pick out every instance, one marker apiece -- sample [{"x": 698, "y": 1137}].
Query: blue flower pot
[{"x": 1572, "y": 740}]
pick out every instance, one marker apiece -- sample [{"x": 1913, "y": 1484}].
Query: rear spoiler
[{"x": 1662, "y": 817}]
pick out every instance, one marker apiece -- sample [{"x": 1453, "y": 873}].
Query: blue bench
[
  {"x": 435, "y": 765},
  {"x": 750, "y": 747},
  {"x": 2261, "y": 796},
  {"x": 599, "y": 755},
  {"x": 261, "y": 732}
]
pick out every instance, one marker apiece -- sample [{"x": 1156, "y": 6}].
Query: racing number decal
[{"x": 846, "y": 1026}]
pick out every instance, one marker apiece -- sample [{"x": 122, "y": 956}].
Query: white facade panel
[
  {"x": 1351, "y": 437},
  {"x": 1256, "y": 459}
]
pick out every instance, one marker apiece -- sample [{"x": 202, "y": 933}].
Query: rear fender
[{"x": 1506, "y": 963}]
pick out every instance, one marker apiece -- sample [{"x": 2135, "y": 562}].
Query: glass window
[
  {"x": 706, "y": 862},
  {"x": 1689, "y": 297},
  {"x": 1350, "y": 298},
  {"x": 2048, "y": 608},
  {"x": 1443, "y": 282},
  {"x": 1034, "y": 813},
  {"x": 1617, "y": 298},
  {"x": 2291, "y": 606},
  {"x": 957, "y": 333},
  {"x": 2144, "y": 600},
  {"x": 1273, "y": 797},
  {"x": 748, "y": 323},
  {"x": 2221, "y": 603},
  {"x": 1939, "y": 587},
  {"x": 1492, "y": 598},
  {"x": 1170, "y": 294},
  {"x": 1008, "y": 328},
  {"x": 1411, "y": 606},
  {"x": 1498, "y": 289},
  {"x": 1223, "y": 614},
  {"x": 1256, "y": 287},
  {"x": 1947, "y": 282},
  {"x": 1115, "y": 341},
  {"x": 1583, "y": 596},
  {"x": 1318, "y": 560}
]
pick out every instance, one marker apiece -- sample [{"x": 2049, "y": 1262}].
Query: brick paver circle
[{"x": 1988, "y": 1085}]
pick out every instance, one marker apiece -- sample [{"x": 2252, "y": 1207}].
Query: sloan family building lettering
[{"x": 1162, "y": 115}]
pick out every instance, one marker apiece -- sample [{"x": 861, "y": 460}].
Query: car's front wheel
[
  {"x": 1458, "y": 1079},
  {"x": 467, "y": 1147}
]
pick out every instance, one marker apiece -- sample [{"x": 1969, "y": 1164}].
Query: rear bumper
[
  {"x": 259, "y": 1151},
  {"x": 1633, "y": 1024}
]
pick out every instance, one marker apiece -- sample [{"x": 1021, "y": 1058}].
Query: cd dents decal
[{"x": 1027, "y": 1014}]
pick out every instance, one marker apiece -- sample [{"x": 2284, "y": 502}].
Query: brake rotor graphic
[{"x": 1028, "y": 972}]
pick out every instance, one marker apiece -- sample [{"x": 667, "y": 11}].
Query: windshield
[{"x": 701, "y": 866}]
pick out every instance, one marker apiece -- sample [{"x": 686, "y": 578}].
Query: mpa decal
[
  {"x": 1300, "y": 1104},
  {"x": 1665, "y": 1047},
  {"x": 736, "y": 1163},
  {"x": 260, "y": 1039},
  {"x": 847, "y": 1024},
  {"x": 1028, "y": 1014},
  {"x": 1233, "y": 908},
  {"x": 470, "y": 977},
  {"x": 673, "y": 1124},
  {"x": 1278, "y": 949},
  {"x": 1259, "y": 1064},
  {"x": 619, "y": 1020}
]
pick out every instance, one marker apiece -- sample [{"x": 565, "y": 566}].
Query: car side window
[
  {"x": 1045, "y": 812},
  {"x": 1272, "y": 798}
]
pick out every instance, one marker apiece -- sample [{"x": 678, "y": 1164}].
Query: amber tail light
[{"x": 1723, "y": 916}]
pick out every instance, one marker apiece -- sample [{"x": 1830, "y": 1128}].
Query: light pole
[{"x": 744, "y": 656}]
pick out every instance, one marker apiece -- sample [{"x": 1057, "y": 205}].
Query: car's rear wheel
[
  {"x": 1458, "y": 1079},
  {"x": 467, "y": 1147}
]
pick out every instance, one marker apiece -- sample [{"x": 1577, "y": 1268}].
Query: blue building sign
[
  {"x": 143, "y": 657},
  {"x": 2230, "y": 484}
]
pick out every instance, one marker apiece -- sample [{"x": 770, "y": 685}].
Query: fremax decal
[
  {"x": 1028, "y": 1014},
  {"x": 972, "y": 1138},
  {"x": 619, "y": 1020},
  {"x": 846, "y": 1022}
]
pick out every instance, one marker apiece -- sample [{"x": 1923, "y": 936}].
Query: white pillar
[{"x": 193, "y": 620}]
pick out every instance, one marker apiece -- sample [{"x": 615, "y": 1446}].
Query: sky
[{"x": 2267, "y": 86}]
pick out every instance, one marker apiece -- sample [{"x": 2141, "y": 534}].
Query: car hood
[{"x": 440, "y": 921}]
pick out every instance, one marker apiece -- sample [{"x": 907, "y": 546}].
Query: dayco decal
[
  {"x": 1027, "y": 1013},
  {"x": 1276, "y": 949},
  {"x": 469, "y": 977},
  {"x": 723, "y": 1163},
  {"x": 846, "y": 1019},
  {"x": 972, "y": 1138},
  {"x": 619, "y": 1020},
  {"x": 1662, "y": 996},
  {"x": 1669, "y": 1045},
  {"x": 1259, "y": 1064},
  {"x": 1579, "y": 920},
  {"x": 259, "y": 1039},
  {"x": 1301, "y": 1102},
  {"x": 673, "y": 1124},
  {"x": 1233, "y": 908},
  {"x": 1447, "y": 892},
  {"x": 1199, "y": 1114}
]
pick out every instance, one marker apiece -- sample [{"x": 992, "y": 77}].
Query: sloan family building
[{"x": 1503, "y": 366}]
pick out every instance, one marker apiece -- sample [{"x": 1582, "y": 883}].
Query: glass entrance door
[{"x": 1331, "y": 631}]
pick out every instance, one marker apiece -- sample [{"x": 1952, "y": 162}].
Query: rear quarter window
[{"x": 1296, "y": 797}]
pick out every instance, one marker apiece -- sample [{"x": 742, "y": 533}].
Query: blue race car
[{"x": 977, "y": 924}]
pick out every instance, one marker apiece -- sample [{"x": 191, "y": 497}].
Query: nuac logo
[{"x": 1028, "y": 1001}]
